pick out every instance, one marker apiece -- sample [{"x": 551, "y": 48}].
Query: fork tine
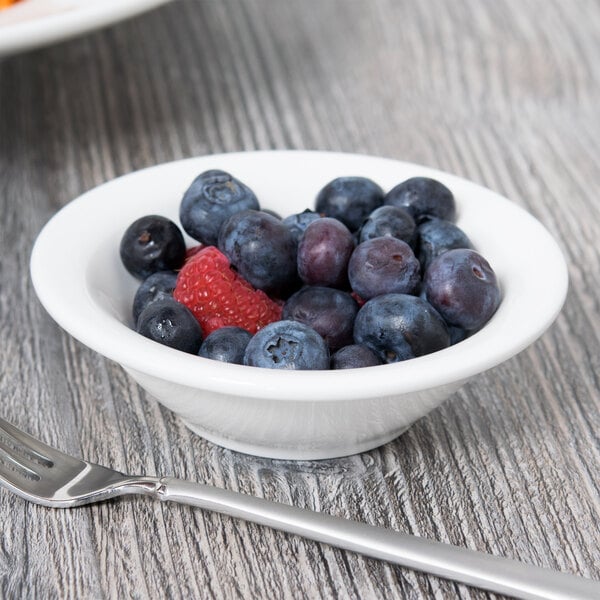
[
  {"x": 27, "y": 443},
  {"x": 14, "y": 464}
]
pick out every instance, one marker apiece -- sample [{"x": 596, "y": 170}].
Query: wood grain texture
[{"x": 505, "y": 93}]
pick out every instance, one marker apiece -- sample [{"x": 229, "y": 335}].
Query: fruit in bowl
[
  {"x": 287, "y": 413},
  {"x": 255, "y": 271},
  {"x": 7, "y": 3}
]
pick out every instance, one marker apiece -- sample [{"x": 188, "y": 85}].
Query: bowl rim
[{"x": 71, "y": 302}]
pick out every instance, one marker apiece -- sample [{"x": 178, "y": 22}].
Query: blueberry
[
  {"x": 209, "y": 201},
  {"x": 463, "y": 287},
  {"x": 272, "y": 212},
  {"x": 354, "y": 357},
  {"x": 150, "y": 244},
  {"x": 389, "y": 221},
  {"x": 155, "y": 287},
  {"x": 287, "y": 345},
  {"x": 262, "y": 249},
  {"x": 423, "y": 197},
  {"x": 349, "y": 199},
  {"x": 436, "y": 236},
  {"x": 330, "y": 312},
  {"x": 298, "y": 222},
  {"x": 172, "y": 324},
  {"x": 323, "y": 253},
  {"x": 227, "y": 344},
  {"x": 457, "y": 334},
  {"x": 398, "y": 327},
  {"x": 384, "y": 265}
]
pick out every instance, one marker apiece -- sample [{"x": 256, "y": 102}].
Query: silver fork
[{"x": 44, "y": 475}]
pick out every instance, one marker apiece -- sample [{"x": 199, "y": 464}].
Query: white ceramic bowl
[{"x": 79, "y": 278}]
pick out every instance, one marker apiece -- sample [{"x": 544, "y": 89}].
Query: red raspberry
[
  {"x": 193, "y": 250},
  {"x": 219, "y": 297}
]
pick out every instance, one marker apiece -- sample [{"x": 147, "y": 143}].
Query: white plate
[{"x": 34, "y": 23}]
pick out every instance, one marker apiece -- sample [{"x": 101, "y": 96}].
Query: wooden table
[{"x": 505, "y": 93}]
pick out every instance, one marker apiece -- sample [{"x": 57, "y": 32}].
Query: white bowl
[{"x": 78, "y": 276}]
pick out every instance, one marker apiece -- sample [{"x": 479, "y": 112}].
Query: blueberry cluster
[{"x": 365, "y": 278}]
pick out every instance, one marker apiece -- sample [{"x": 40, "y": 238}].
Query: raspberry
[
  {"x": 193, "y": 250},
  {"x": 219, "y": 297}
]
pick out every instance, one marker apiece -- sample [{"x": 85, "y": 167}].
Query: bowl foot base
[{"x": 289, "y": 452}]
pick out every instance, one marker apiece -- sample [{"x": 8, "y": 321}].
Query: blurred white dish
[
  {"x": 79, "y": 278},
  {"x": 34, "y": 23}
]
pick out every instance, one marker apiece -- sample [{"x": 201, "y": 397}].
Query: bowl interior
[{"x": 78, "y": 276}]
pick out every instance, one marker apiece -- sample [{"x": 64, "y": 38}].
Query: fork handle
[{"x": 493, "y": 573}]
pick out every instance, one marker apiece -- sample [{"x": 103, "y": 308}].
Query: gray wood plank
[{"x": 505, "y": 93}]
